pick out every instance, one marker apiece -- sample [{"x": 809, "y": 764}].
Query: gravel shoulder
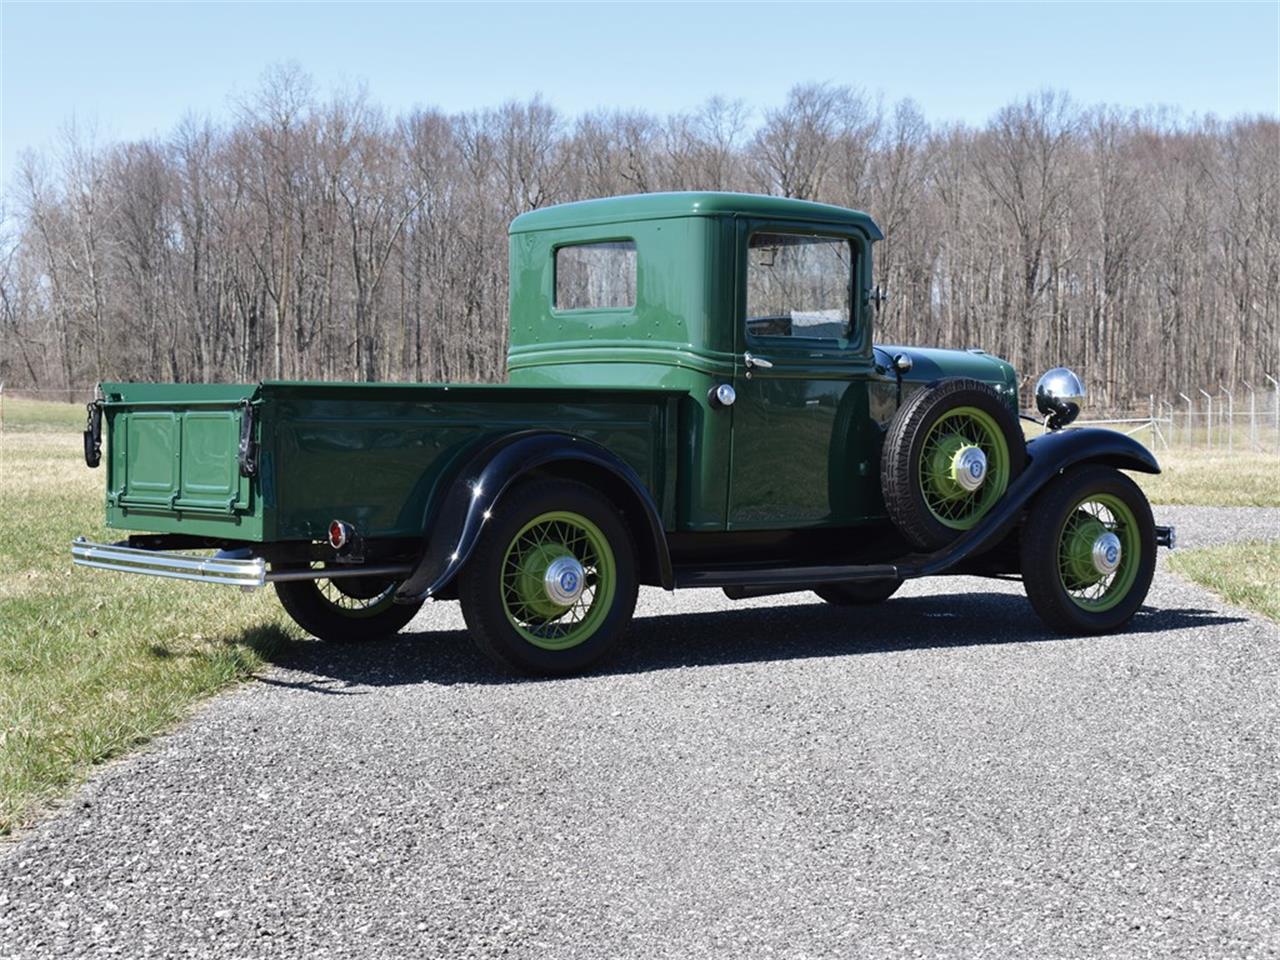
[
  {"x": 936, "y": 776},
  {"x": 1211, "y": 526}
]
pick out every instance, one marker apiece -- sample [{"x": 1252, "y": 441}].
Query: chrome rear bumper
[
  {"x": 244, "y": 572},
  {"x": 231, "y": 569}
]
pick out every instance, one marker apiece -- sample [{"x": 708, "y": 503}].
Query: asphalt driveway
[{"x": 933, "y": 777}]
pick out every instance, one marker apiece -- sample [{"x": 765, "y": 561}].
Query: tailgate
[{"x": 182, "y": 458}]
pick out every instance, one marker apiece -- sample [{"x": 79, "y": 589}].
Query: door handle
[{"x": 750, "y": 361}]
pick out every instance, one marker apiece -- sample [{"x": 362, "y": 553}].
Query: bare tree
[
  {"x": 799, "y": 147},
  {"x": 1022, "y": 163},
  {"x": 316, "y": 237}
]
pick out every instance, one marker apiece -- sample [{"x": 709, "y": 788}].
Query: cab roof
[{"x": 661, "y": 206}]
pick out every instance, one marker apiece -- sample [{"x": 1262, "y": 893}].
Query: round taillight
[{"x": 339, "y": 534}]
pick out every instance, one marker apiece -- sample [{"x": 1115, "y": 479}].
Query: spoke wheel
[
  {"x": 1092, "y": 518},
  {"x": 941, "y": 459},
  {"x": 345, "y": 609},
  {"x": 951, "y": 452},
  {"x": 551, "y": 583},
  {"x": 1088, "y": 550},
  {"x": 357, "y": 596},
  {"x": 541, "y": 620}
]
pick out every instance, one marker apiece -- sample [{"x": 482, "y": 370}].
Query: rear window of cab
[{"x": 595, "y": 276}]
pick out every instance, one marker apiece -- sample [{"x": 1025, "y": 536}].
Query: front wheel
[
  {"x": 1088, "y": 551},
  {"x": 346, "y": 609},
  {"x": 859, "y": 593},
  {"x": 552, "y": 583}
]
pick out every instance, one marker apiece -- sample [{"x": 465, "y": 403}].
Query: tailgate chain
[
  {"x": 248, "y": 454},
  {"x": 93, "y": 433}
]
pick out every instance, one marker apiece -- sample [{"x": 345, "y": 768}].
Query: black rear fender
[{"x": 464, "y": 503}]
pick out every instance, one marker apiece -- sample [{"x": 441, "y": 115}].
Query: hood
[{"x": 930, "y": 363}]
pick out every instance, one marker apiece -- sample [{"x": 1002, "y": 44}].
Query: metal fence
[{"x": 1241, "y": 416}]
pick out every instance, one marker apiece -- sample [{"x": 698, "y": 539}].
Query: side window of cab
[{"x": 800, "y": 288}]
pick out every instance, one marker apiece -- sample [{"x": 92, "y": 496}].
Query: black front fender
[
  {"x": 1047, "y": 456},
  {"x": 454, "y": 526},
  {"x": 1064, "y": 448}
]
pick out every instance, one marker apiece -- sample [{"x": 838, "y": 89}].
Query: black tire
[
  {"x": 859, "y": 593},
  {"x": 901, "y": 479},
  {"x": 346, "y": 609},
  {"x": 490, "y": 603},
  {"x": 1055, "y": 591}
]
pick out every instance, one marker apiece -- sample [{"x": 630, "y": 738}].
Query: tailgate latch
[{"x": 248, "y": 454}]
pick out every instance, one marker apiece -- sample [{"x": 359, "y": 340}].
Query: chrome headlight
[{"x": 1059, "y": 394}]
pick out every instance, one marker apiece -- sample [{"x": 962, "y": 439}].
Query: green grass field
[
  {"x": 94, "y": 663},
  {"x": 34, "y": 416},
  {"x": 1244, "y": 574}
]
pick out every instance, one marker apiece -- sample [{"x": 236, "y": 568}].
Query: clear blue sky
[{"x": 134, "y": 69}]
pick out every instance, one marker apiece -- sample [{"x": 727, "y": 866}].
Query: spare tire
[{"x": 951, "y": 452}]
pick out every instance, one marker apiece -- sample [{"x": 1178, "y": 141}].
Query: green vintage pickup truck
[{"x": 694, "y": 401}]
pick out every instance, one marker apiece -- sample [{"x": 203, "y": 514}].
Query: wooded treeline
[{"x": 320, "y": 237}]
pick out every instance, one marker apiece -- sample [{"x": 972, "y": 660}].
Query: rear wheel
[
  {"x": 346, "y": 609},
  {"x": 1088, "y": 551},
  {"x": 858, "y": 594},
  {"x": 552, "y": 583}
]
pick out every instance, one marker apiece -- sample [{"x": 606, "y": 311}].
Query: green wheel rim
[
  {"x": 352, "y": 606},
  {"x": 535, "y": 616},
  {"x": 1094, "y": 515},
  {"x": 948, "y": 502}
]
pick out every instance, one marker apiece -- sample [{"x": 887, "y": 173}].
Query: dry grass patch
[
  {"x": 1198, "y": 476},
  {"x": 1214, "y": 478}
]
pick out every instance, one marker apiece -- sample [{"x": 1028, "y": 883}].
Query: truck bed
[{"x": 370, "y": 454}]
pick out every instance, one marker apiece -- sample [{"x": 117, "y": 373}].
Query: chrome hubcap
[
  {"x": 969, "y": 468},
  {"x": 1106, "y": 553},
  {"x": 564, "y": 580}
]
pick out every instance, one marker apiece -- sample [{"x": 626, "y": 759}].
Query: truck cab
[
  {"x": 694, "y": 400},
  {"x": 767, "y": 296}
]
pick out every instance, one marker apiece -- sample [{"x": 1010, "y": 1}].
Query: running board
[{"x": 798, "y": 577}]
